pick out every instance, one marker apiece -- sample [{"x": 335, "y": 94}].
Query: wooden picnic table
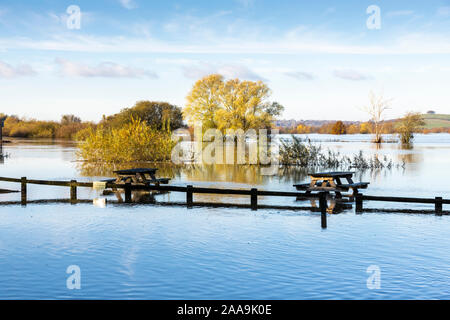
[
  {"x": 139, "y": 176},
  {"x": 136, "y": 176},
  {"x": 332, "y": 182}
]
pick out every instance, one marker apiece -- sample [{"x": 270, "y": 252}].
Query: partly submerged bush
[
  {"x": 307, "y": 155},
  {"x": 135, "y": 141}
]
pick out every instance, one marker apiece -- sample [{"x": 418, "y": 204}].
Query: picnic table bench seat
[
  {"x": 302, "y": 186},
  {"x": 358, "y": 185},
  {"x": 116, "y": 179},
  {"x": 161, "y": 180}
]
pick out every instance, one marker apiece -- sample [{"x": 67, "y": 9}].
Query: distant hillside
[
  {"x": 436, "y": 121},
  {"x": 313, "y": 123},
  {"x": 431, "y": 121}
]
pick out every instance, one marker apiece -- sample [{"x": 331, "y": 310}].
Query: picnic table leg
[
  {"x": 139, "y": 177},
  {"x": 127, "y": 192},
  {"x": 323, "y": 208},
  {"x": 119, "y": 196},
  {"x": 354, "y": 194},
  {"x": 153, "y": 177},
  {"x": 331, "y": 207}
]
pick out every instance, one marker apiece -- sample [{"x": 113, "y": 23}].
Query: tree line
[{"x": 216, "y": 103}]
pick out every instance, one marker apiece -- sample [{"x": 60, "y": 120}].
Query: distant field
[{"x": 436, "y": 120}]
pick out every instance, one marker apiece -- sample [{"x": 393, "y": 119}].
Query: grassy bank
[{"x": 436, "y": 121}]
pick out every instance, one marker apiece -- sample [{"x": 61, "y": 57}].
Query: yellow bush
[{"x": 135, "y": 141}]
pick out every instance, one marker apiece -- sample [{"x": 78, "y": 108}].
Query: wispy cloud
[
  {"x": 8, "y": 71},
  {"x": 443, "y": 11},
  {"x": 227, "y": 70},
  {"x": 349, "y": 74},
  {"x": 300, "y": 75},
  {"x": 193, "y": 34},
  {"x": 246, "y": 3},
  {"x": 104, "y": 69},
  {"x": 128, "y": 4},
  {"x": 329, "y": 10}
]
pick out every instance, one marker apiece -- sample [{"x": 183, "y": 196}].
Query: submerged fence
[
  {"x": 437, "y": 201},
  {"x": 253, "y": 193}
]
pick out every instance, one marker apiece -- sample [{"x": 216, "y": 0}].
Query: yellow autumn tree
[
  {"x": 302, "y": 129},
  {"x": 231, "y": 104},
  {"x": 203, "y": 101}
]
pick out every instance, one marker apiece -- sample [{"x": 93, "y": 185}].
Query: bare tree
[{"x": 376, "y": 109}]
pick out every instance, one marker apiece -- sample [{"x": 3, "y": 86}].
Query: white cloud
[
  {"x": 227, "y": 70},
  {"x": 443, "y": 11},
  {"x": 104, "y": 69},
  {"x": 295, "y": 41},
  {"x": 349, "y": 74},
  {"x": 128, "y": 4},
  {"x": 300, "y": 75},
  {"x": 171, "y": 27},
  {"x": 8, "y": 71}
]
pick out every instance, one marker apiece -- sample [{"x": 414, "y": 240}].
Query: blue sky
[{"x": 319, "y": 58}]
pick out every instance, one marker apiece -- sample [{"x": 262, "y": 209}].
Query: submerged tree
[
  {"x": 231, "y": 104},
  {"x": 158, "y": 115},
  {"x": 409, "y": 124},
  {"x": 203, "y": 101},
  {"x": 376, "y": 109},
  {"x": 70, "y": 119},
  {"x": 339, "y": 128}
]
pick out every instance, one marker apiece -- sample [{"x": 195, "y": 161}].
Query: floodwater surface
[{"x": 151, "y": 251}]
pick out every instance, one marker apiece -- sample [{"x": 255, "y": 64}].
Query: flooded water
[{"x": 171, "y": 252}]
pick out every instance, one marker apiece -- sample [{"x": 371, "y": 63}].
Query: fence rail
[
  {"x": 437, "y": 201},
  {"x": 191, "y": 190}
]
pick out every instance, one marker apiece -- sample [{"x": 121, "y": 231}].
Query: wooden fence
[
  {"x": 252, "y": 193},
  {"x": 437, "y": 201}
]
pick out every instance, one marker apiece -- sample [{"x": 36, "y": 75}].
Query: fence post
[
  {"x": 23, "y": 197},
  {"x": 254, "y": 199},
  {"x": 359, "y": 203},
  {"x": 189, "y": 198},
  {"x": 323, "y": 209},
  {"x": 127, "y": 192},
  {"x": 73, "y": 191},
  {"x": 438, "y": 206}
]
